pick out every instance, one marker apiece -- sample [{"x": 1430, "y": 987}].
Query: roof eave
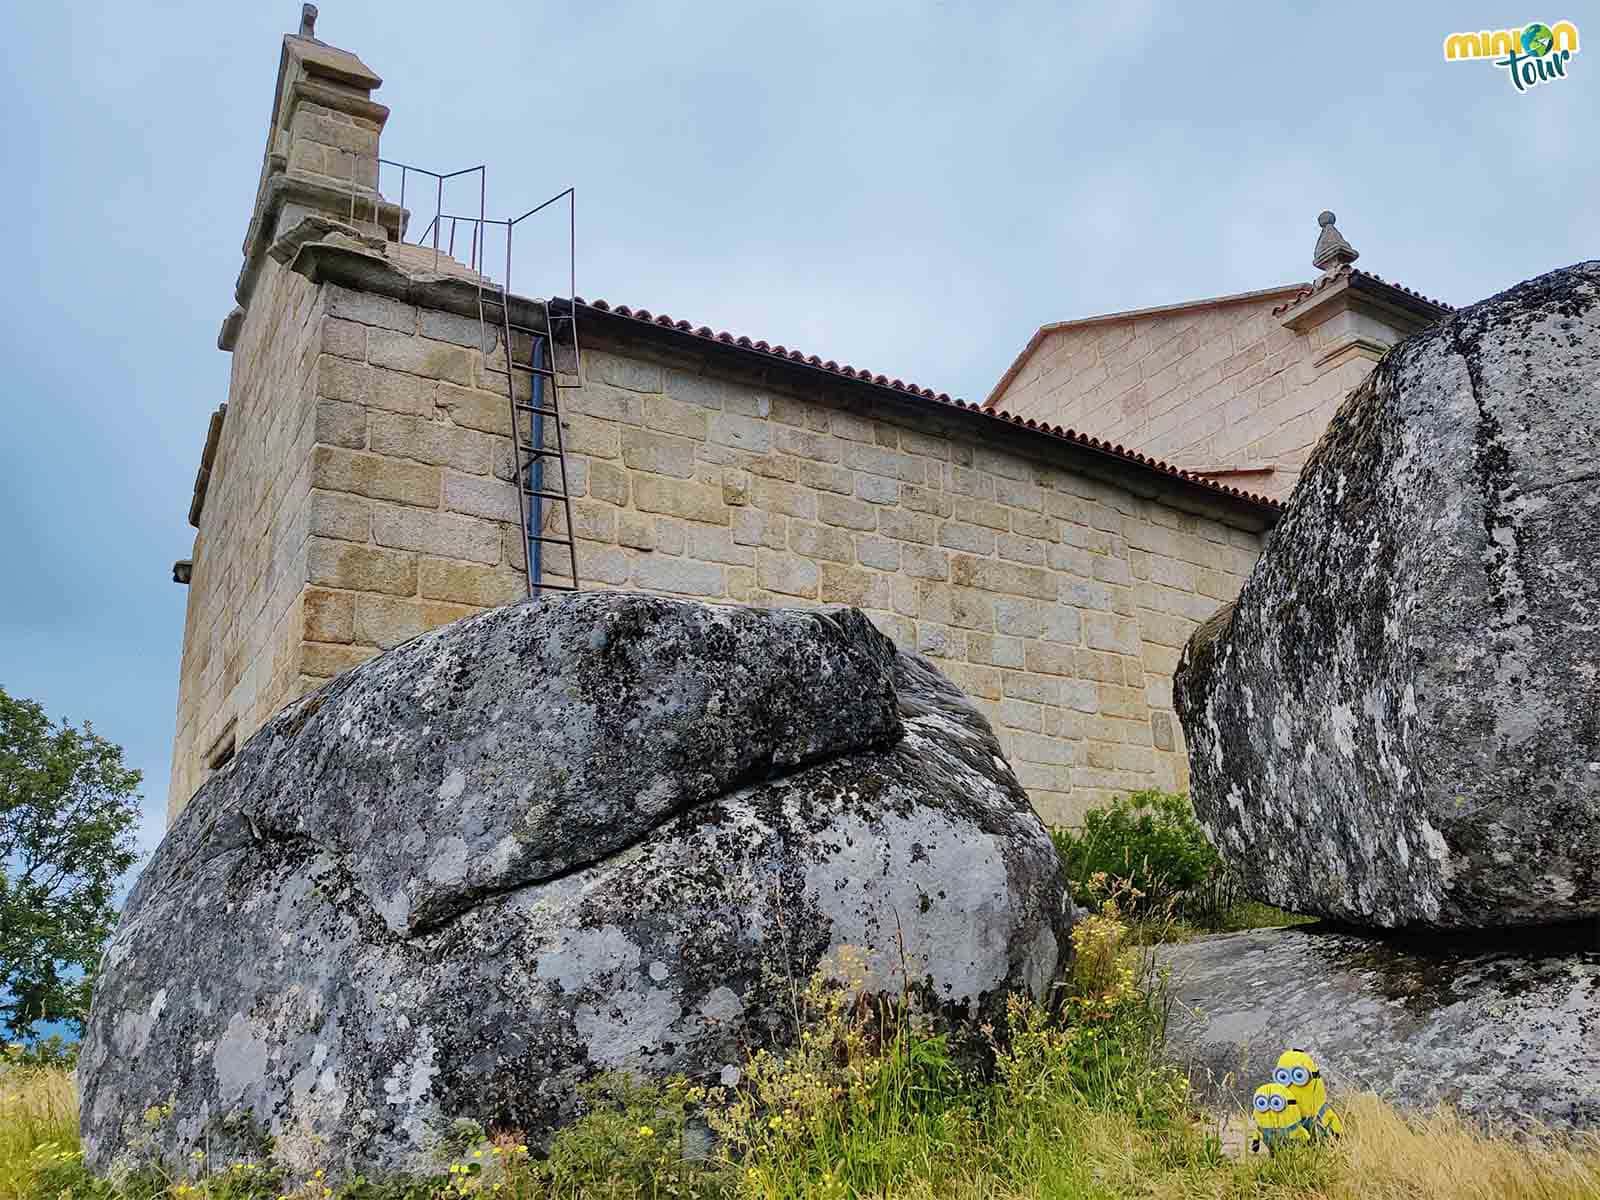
[
  {"x": 1122, "y": 467},
  {"x": 1407, "y": 309},
  {"x": 1137, "y": 473}
]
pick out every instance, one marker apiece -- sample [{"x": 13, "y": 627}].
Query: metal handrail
[{"x": 435, "y": 225}]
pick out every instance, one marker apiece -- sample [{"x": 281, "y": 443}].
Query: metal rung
[
  {"x": 544, "y": 495},
  {"x": 515, "y": 328},
  {"x": 556, "y": 587},
  {"x": 553, "y": 452},
  {"x": 543, "y": 412},
  {"x": 543, "y": 537}
]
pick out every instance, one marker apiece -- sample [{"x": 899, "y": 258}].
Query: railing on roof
[
  {"x": 552, "y": 327},
  {"x": 446, "y": 227}
]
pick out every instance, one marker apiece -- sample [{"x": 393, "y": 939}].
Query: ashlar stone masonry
[{"x": 1235, "y": 388}]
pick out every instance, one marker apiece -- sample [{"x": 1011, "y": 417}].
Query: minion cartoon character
[
  {"x": 1278, "y": 1118},
  {"x": 1297, "y": 1073}
]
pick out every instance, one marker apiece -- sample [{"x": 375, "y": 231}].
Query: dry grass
[
  {"x": 1441, "y": 1157},
  {"x": 1075, "y": 1152},
  {"x": 38, "y": 1117}
]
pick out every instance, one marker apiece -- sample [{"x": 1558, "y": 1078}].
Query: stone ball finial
[
  {"x": 308, "y": 20},
  {"x": 1332, "y": 251}
]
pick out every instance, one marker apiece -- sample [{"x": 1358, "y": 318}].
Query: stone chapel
[{"x": 1050, "y": 548}]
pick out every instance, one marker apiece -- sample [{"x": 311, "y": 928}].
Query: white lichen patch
[
  {"x": 722, "y": 1004},
  {"x": 240, "y": 1058},
  {"x": 1342, "y": 722},
  {"x": 454, "y": 784},
  {"x": 407, "y": 1083},
  {"x": 1437, "y": 849},
  {"x": 583, "y": 954},
  {"x": 947, "y": 901},
  {"x": 630, "y": 1027},
  {"x": 450, "y": 860},
  {"x": 1282, "y": 729}
]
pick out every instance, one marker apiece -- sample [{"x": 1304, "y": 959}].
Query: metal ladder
[{"x": 529, "y": 450}]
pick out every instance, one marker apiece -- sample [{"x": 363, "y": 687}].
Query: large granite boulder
[
  {"x": 1398, "y": 723},
  {"x": 1505, "y": 1030},
  {"x": 605, "y": 832}
]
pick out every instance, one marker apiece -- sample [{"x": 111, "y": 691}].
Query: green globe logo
[{"x": 1537, "y": 40}]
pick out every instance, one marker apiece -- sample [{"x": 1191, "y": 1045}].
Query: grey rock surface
[
  {"x": 1398, "y": 723},
  {"x": 1508, "y": 1035},
  {"x": 602, "y": 832}
]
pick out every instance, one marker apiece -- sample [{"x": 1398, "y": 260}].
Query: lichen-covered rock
[
  {"x": 1398, "y": 723},
  {"x": 604, "y": 832},
  {"x": 1506, "y": 1032}
]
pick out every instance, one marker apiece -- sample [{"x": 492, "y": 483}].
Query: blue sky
[{"x": 910, "y": 187}]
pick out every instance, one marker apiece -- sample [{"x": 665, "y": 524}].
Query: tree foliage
[{"x": 68, "y": 807}]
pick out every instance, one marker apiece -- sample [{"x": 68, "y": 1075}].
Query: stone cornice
[
  {"x": 1405, "y": 311},
  {"x": 202, "y": 478},
  {"x": 1353, "y": 347}
]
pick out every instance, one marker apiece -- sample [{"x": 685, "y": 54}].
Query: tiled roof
[
  {"x": 1355, "y": 273},
  {"x": 845, "y": 370}
]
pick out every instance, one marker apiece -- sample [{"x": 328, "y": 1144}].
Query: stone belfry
[
  {"x": 321, "y": 158},
  {"x": 346, "y": 496}
]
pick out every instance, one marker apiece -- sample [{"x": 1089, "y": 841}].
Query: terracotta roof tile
[
  {"x": 1132, "y": 457},
  {"x": 1323, "y": 281}
]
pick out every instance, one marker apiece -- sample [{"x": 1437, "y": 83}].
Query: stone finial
[
  {"x": 1332, "y": 250},
  {"x": 308, "y": 20}
]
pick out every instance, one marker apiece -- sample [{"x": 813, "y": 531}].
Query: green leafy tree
[{"x": 68, "y": 808}]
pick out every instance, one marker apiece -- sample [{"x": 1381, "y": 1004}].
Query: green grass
[
  {"x": 1069, "y": 1101},
  {"x": 1252, "y": 914}
]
